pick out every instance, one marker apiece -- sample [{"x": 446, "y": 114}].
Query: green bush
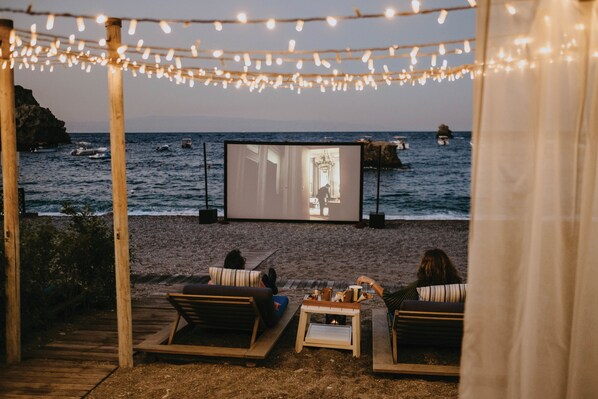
[{"x": 58, "y": 265}]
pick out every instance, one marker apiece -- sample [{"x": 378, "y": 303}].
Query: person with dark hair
[
  {"x": 322, "y": 196},
  {"x": 234, "y": 260},
  {"x": 435, "y": 268}
]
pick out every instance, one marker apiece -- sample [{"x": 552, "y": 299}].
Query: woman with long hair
[{"x": 435, "y": 268}]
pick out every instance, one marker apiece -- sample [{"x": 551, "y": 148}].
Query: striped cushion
[
  {"x": 443, "y": 293},
  {"x": 235, "y": 278}
]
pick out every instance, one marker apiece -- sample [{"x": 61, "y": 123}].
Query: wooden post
[
  {"x": 10, "y": 186},
  {"x": 119, "y": 195}
]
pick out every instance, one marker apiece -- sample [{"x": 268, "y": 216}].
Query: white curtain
[{"x": 531, "y": 317}]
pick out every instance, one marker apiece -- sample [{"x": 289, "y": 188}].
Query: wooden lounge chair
[
  {"x": 421, "y": 323},
  {"x": 247, "y": 309}
]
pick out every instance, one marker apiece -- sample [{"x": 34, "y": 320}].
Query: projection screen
[{"x": 320, "y": 182}]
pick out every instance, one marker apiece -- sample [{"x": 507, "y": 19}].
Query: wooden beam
[
  {"x": 10, "y": 184},
  {"x": 119, "y": 195}
]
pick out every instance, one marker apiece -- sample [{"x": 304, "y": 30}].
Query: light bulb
[
  {"x": 218, "y": 26},
  {"x": 80, "y": 24},
  {"x": 442, "y": 16},
  {"x": 139, "y": 44},
  {"x": 466, "y": 46},
  {"x": 415, "y": 6},
  {"x": 271, "y": 23},
  {"x": 132, "y": 27},
  {"x": 242, "y": 17},
  {"x": 100, "y": 19},
  {"x": 511, "y": 9},
  {"x": 299, "y": 64},
  {"x": 50, "y": 22},
  {"x": 291, "y": 46},
  {"x": 217, "y": 53},
  {"x": 165, "y": 27},
  {"x": 170, "y": 54},
  {"x": 366, "y": 56},
  {"x": 331, "y": 21},
  {"x": 299, "y": 26},
  {"x": 441, "y": 49},
  {"x": 389, "y": 13}
]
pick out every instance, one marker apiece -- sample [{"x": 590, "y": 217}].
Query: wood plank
[
  {"x": 270, "y": 337},
  {"x": 382, "y": 353}
]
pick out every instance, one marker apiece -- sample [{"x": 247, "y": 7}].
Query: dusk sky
[{"x": 81, "y": 98}]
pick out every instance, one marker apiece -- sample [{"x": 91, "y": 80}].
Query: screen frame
[{"x": 294, "y": 143}]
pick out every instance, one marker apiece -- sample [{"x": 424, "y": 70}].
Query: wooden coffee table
[{"x": 329, "y": 335}]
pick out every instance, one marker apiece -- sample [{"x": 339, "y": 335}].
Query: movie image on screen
[{"x": 293, "y": 181}]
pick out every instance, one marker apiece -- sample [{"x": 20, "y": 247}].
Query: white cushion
[
  {"x": 443, "y": 293},
  {"x": 235, "y": 278}
]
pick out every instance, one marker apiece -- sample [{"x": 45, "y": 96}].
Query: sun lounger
[
  {"x": 420, "y": 323},
  {"x": 246, "y": 309}
]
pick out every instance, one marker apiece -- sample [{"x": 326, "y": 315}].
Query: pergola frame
[{"x": 119, "y": 199}]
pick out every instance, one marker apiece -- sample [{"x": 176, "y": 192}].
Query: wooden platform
[
  {"x": 73, "y": 365},
  {"x": 382, "y": 353}
]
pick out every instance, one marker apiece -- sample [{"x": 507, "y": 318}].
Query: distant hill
[{"x": 35, "y": 124}]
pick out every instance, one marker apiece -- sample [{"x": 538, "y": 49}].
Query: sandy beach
[{"x": 337, "y": 252}]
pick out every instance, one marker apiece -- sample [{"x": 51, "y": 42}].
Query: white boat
[
  {"x": 85, "y": 149},
  {"x": 100, "y": 155},
  {"x": 186, "y": 143},
  {"x": 442, "y": 140},
  {"x": 164, "y": 147},
  {"x": 401, "y": 142}
]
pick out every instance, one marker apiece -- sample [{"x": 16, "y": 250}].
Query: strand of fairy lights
[
  {"x": 252, "y": 80},
  {"x": 69, "y": 57},
  {"x": 264, "y": 56},
  {"x": 242, "y": 18}
]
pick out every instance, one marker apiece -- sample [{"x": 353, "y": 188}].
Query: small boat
[
  {"x": 164, "y": 147},
  {"x": 100, "y": 155},
  {"x": 44, "y": 148},
  {"x": 401, "y": 142},
  {"x": 442, "y": 140},
  {"x": 186, "y": 143},
  {"x": 85, "y": 149}
]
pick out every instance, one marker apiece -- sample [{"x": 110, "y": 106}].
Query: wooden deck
[{"x": 73, "y": 365}]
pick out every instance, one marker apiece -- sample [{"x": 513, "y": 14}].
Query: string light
[
  {"x": 101, "y": 19},
  {"x": 442, "y": 16},
  {"x": 511, "y": 9},
  {"x": 389, "y": 13},
  {"x": 242, "y": 17},
  {"x": 299, "y": 26},
  {"x": 132, "y": 27},
  {"x": 218, "y": 26},
  {"x": 165, "y": 27},
  {"x": 291, "y": 46},
  {"x": 331, "y": 21},
  {"x": 80, "y": 24},
  {"x": 271, "y": 23},
  {"x": 415, "y": 6},
  {"x": 50, "y": 22}
]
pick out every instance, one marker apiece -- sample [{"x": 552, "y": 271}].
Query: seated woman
[
  {"x": 435, "y": 268},
  {"x": 234, "y": 260}
]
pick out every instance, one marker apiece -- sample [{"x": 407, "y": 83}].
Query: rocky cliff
[
  {"x": 389, "y": 155},
  {"x": 36, "y": 124}
]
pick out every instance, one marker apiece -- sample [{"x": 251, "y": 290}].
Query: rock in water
[
  {"x": 36, "y": 124},
  {"x": 389, "y": 155},
  {"x": 443, "y": 130}
]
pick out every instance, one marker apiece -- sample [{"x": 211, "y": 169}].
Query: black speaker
[
  {"x": 377, "y": 220},
  {"x": 208, "y": 216}
]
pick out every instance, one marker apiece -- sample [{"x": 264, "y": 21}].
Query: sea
[{"x": 433, "y": 184}]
